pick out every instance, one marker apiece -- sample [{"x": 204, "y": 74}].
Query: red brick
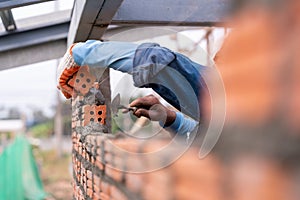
[
  {"x": 97, "y": 180},
  {"x": 73, "y": 125},
  {"x": 84, "y": 81},
  {"x": 153, "y": 146},
  {"x": 104, "y": 196},
  {"x": 197, "y": 179},
  {"x": 89, "y": 192},
  {"x": 123, "y": 145},
  {"x": 99, "y": 164},
  {"x": 92, "y": 160},
  {"x": 97, "y": 187},
  {"x": 134, "y": 182},
  {"x": 114, "y": 161},
  {"x": 117, "y": 194},
  {"x": 94, "y": 114},
  {"x": 114, "y": 174},
  {"x": 137, "y": 164},
  {"x": 89, "y": 174},
  {"x": 96, "y": 196},
  {"x": 100, "y": 139},
  {"x": 105, "y": 188},
  {"x": 89, "y": 183},
  {"x": 158, "y": 185},
  {"x": 254, "y": 177}
]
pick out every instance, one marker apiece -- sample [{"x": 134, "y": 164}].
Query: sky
[{"x": 28, "y": 87}]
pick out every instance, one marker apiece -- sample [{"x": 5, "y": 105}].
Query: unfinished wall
[
  {"x": 104, "y": 167},
  {"x": 107, "y": 166},
  {"x": 100, "y": 172},
  {"x": 257, "y": 156}
]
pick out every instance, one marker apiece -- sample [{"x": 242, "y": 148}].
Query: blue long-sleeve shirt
[
  {"x": 115, "y": 55},
  {"x": 182, "y": 125},
  {"x": 119, "y": 56}
]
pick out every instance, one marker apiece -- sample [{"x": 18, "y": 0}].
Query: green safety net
[{"x": 19, "y": 177}]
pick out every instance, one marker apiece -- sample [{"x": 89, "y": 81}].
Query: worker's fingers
[
  {"x": 70, "y": 72},
  {"x": 145, "y": 102},
  {"x": 67, "y": 90},
  {"x": 67, "y": 81},
  {"x": 156, "y": 113},
  {"x": 141, "y": 112},
  {"x": 71, "y": 82},
  {"x": 67, "y": 95}
]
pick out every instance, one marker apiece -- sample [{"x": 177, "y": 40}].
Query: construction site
[{"x": 149, "y": 100}]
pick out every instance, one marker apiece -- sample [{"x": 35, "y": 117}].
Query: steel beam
[
  {"x": 24, "y": 38},
  {"x": 9, "y": 4},
  {"x": 171, "y": 12},
  {"x": 85, "y": 13},
  {"x": 8, "y": 20},
  {"x": 33, "y": 54},
  {"x": 24, "y": 47},
  {"x": 136, "y": 33},
  {"x": 91, "y": 18}
]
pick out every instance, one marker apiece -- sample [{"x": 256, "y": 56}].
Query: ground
[{"x": 55, "y": 173}]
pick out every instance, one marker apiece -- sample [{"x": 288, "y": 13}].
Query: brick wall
[
  {"x": 105, "y": 166},
  {"x": 259, "y": 63},
  {"x": 257, "y": 156},
  {"x": 96, "y": 176},
  {"x": 101, "y": 172}
]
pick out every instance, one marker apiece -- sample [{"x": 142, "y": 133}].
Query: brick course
[{"x": 101, "y": 170}]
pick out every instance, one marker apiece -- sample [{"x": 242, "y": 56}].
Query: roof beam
[
  {"x": 9, "y": 4},
  {"x": 171, "y": 12},
  {"x": 136, "y": 33},
  {"x": 8, "y": 20},
  {"x": 24, "y": 47},
  {"x": 29, "y": 37},
  {"x": 91, "y": 18},
  {"x": 85, "y": 13},
  {"x": 33, "y": 54}
]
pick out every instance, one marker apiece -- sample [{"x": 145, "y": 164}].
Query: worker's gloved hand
[
  {"x": 150, "y": 107},
  {"x": 65, "y": 72}
]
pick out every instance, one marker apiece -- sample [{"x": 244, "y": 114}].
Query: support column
[{"x": 58, "y": 127}]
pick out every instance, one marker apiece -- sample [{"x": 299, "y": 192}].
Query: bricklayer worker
[{"x": 176, "y": 78}]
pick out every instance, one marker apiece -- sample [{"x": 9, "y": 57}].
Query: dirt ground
[{"x": 56, "y": 174}]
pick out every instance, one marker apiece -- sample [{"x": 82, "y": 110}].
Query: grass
[{"x": 55, "y": 173}]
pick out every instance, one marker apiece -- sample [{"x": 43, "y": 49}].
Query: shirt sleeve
[
  {"x": 182, "y": 125},
  {"x": 94, "y": 53}
]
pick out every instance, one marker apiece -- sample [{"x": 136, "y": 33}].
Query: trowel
[{"x": 116, "y": 106}]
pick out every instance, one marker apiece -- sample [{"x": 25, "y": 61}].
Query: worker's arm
[
  {"x": 150, "y": 107},
  {"x": 182, "y": 125},
  {"x": 180, "y": 84},
  {"x": 115, "y": 55},
  {"x": 94, "y": 53}
]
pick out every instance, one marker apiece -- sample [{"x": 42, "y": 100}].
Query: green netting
[{"x": 19, "y": 177}]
